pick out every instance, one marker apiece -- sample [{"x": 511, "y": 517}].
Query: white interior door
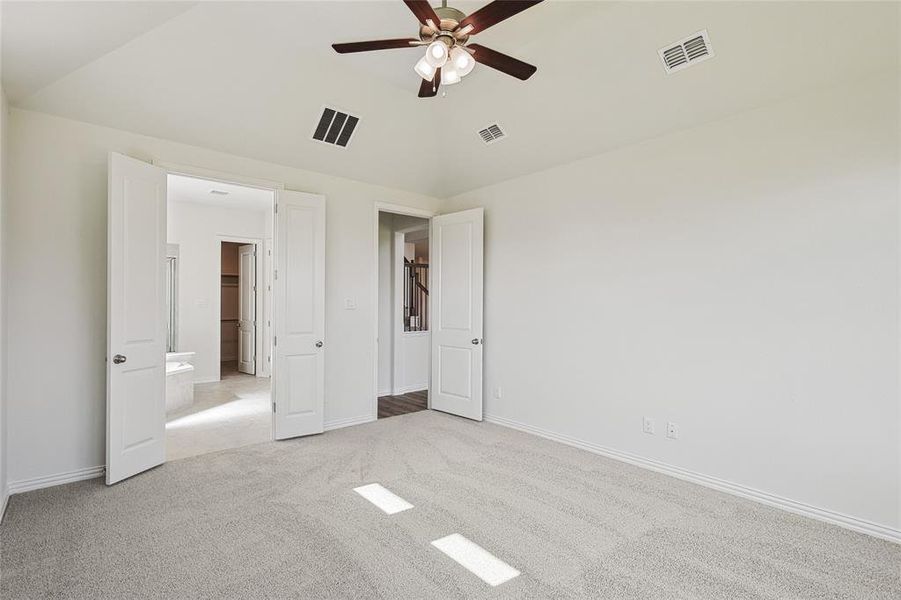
[
  {"x": 136, "y": 318},
  {"x": 456, "y": 262},
  {"x": 298, "y": 313},
  {"x": 247, "y": 309}
]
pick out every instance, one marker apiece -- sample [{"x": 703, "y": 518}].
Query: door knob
[
  {"x": 475, "y": 341},
  {"x": 119, "y": 359},
  {"x": 319, "y": 344}
]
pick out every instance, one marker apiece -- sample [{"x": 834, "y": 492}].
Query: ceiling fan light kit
[{"x": 445, "y": 32}]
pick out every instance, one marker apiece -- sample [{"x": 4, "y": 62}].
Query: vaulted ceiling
[{"x": 251, "y": 78}]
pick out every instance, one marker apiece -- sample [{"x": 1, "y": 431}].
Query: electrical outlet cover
[{"x": 672, "y": 430}]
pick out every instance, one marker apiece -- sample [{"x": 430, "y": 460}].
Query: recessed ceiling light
[{"x": 219, "y": 192}]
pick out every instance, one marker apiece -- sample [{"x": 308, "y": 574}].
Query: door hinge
[
  {"x": 276, "y": 208},
  {"x": 275, "y": 341},
  {"x": 273, "y": 407},
  {"x": 275, "y": 274}
]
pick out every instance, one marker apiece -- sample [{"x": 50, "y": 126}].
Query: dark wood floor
[{"x": 391, "y": 406}]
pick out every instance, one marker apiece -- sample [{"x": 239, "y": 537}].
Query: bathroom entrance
[
  {"x": 218, "y": 302},
  {"x": 156, "y": 214}
]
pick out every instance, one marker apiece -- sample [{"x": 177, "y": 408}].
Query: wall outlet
[
  {"x": 350, "y": 304},
  {"x": 497, "y": 392},
  {"x": 647, "y": 425},
  {"x": 672, "y": 430}
]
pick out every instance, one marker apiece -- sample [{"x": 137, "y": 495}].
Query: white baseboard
[
  {"x": 339, "y": 423},
  {"x": 207, "y": 380},
  {"x": 26, "y": 485},
  {"x": 3, "y": 504},
  {"x": 386, "y": 392},
  {"x": 821, "y": 514},
  {"x": 422, "y": 387}
]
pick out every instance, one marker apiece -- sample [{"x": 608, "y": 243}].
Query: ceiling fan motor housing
[{"x": 450, "y": 19}]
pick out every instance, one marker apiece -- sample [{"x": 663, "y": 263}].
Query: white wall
[
  {"x": 414, "y": 371},
  {"x": 56, "y": 255},
  {"x": 198, "y": 230},
  {"x": 4, "y": 118},
  {"x": 739, "y": 279}
]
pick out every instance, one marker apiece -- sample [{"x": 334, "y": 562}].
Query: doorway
[
  {"x": 238, "y": 308},
  {"x": 220, "y": 357},
  {"x": 142, "y": 350},
  {"x": 450, "y": 317},
  {"x": 403, "y": 314}
]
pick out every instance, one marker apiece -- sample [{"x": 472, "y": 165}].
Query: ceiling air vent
[
  {"x": 335, "y": 127},
  {"x": 492, "y": 133},
  {"x": 686, "y": 52}
]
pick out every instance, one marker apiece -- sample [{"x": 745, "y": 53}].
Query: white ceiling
[
  {"x": 43, "y": 41},
  {"x": 251, "y": 78},
  {"x": 199, "y": 191}
]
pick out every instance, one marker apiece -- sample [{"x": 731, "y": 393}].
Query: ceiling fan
[{"x": 445, "y": 32}]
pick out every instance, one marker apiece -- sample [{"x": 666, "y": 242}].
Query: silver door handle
[
  {"x": 319, "y": 344},
  {"x": 476, "y": 341},
  {"x": 119, "y": 359}
]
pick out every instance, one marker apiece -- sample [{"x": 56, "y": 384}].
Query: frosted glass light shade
[
  {"x": 462, "y": 60},
  {"x": 424, "y": 69},
  {"x": 436, "y": 54},
  {"x": 449, "y": 75}
]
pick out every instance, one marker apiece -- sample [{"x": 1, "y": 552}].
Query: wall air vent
[
  {"x": 492, "y": 133},
  {"x": 686, "y": 52},
  {"x": 335, "y": 127}
]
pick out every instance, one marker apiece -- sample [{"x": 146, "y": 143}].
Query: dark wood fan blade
[
  {"x": 427, "y": 89},
  {"x": 423, "y": 11},
  {"x": 502, "y": 62},
  {"x": 373, "y": 45},
  {"x": 495, "y": 12}
]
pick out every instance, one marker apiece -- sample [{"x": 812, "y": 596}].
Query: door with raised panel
[
  {"x": 298, "y": 315},
  {"x": 247, "y": 309},
  {"x": 136, "y": 318},
  {"x": 456, "y": 264}
]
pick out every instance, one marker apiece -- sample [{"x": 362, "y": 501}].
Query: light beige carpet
[{"x": 280, "y": 520}]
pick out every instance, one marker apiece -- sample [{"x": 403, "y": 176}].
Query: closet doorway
[{"x": 238, "y": 308}]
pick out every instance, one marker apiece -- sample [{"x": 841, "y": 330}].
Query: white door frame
[
  {"x": 259, "y": 345},
  {"x": 396, "y": 209}
]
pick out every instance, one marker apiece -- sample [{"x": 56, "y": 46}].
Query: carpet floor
[{"x": 281, "y": 520}]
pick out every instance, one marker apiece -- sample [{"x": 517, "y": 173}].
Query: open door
[
  {"x": 247, "y": 309},
  {"x": 298, "y": 313},
  {"x": 136, "y": 318},
  {"x": 456, "y": 262}
]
